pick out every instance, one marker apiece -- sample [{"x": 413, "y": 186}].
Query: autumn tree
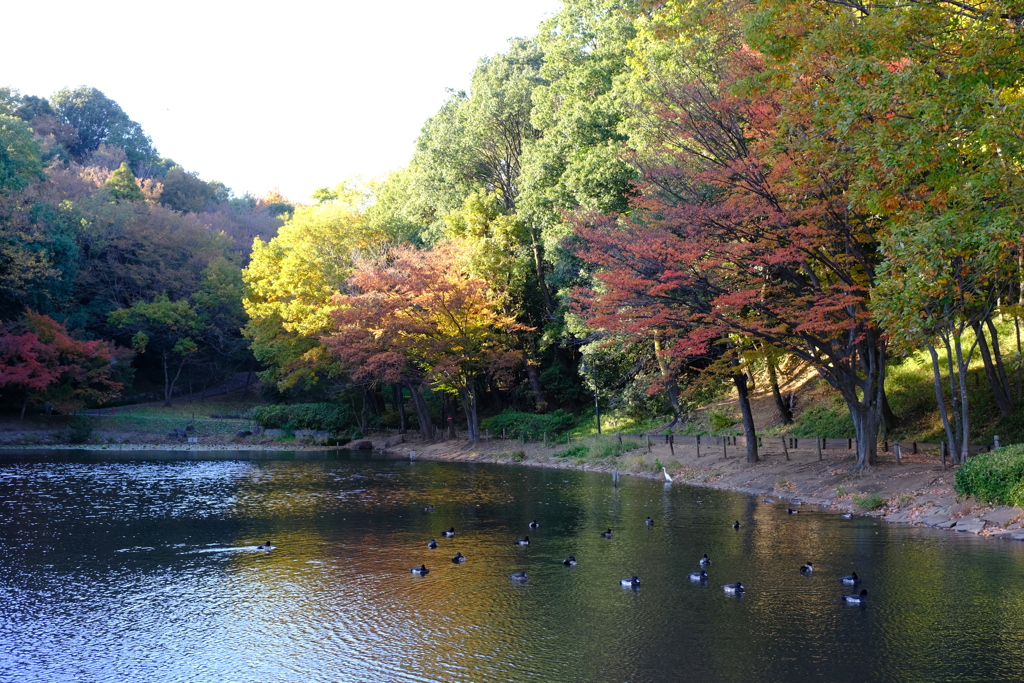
[
  {"x": 41, "y": 363},
  {"x": 734, "y": 236},
  {"x": 418, "y": 315},
  {"x": 290, "y": 282}
]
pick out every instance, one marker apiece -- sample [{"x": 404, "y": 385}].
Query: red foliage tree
[
  {"x": 41, "y": 363},
  {"x": 733, "y": 235}
]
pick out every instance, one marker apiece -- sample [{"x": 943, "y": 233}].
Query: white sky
[{"x": 297, "y": 94}]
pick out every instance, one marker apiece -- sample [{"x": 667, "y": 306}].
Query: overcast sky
[{"x": 295, "y": 95}]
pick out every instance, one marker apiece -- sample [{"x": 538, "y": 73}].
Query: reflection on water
[{"x": 141, "y": 567}]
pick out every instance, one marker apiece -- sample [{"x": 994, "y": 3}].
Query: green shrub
[
  {"x": 574, "y": 452},
  {"x": 870, "y": 501},
  {"x": 531, "y": 425},
  {"x": 79, "y": 431},
  {"x": 518, "y": 456},
  {"x": 996, "y": 477},
  {"x": 615, "y": 449},
  {"x": 829, "y": 423},
  {"x": 332, "y": 417},
  {"x": 718, "y": 421}
]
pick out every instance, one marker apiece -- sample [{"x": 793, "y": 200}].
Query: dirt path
[{"x": 917, "y": 491}]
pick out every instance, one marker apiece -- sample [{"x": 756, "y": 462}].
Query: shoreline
[{"x": 916, "y": 492}]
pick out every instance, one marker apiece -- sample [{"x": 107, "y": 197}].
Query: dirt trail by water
[{"x": 917, "y": 491}]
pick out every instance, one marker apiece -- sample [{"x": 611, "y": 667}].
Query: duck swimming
[
  {"x": 848, "y": 515},
  {"x": 534, "y": 525},
  {"x": 570, "y": 561},
  {"x": 698, "y": 576},
  {"x": 649, "y": 522},
  {"x": 420, "y": 570},
  {"x": 428, "y": 508},
  {"x": 851, "y": 580},
  {"x": 791, "y": 511},
  {"x": 733, "y": 588},
  {"x": 856, "y": 598},
  {"x": 432, "y": 545},
  {"x": 736, "y": 524},
  {"x": 265, "y": 546},
  {"x": 525, "y": 540},
  {"x": 807, "y": 568},
  {"x": 705, "y": 561},
  {"x": 630, "y": 583},
  {"x": 459, "y": 558},
  {"x": 606, "y": 534},
  {"x": 518, "y": 576},
  {"x": 449, "y": 534}
]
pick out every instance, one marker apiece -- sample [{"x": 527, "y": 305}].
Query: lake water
[{"x": 142, "y": 567}]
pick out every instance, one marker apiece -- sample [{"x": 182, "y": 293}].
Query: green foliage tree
[
  {"x": 20, "y": 161},
  {"x": 186, "y": 192},
  {"x": 122, "y": 185},
  {"x": 98, "y": 119},
  {"x": 168, "y": 329},
  {"x": 290, "y": 282}
]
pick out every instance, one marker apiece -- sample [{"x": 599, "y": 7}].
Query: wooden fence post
[
  {"x": 698, "y": 446},
  {"x": 671, "y": 443},
  {"x": 725, "y": 447},
  {"x": 943, "y": 446},
  {"x": 817, "y": 443},
  {"x": 648, "y": 443},
  {"x": 995, "y": 442},
  {"x": 899, "y": 454},
  {"x": 784, "y": 448}
]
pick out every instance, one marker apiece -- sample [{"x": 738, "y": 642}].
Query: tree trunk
[
  {"x": 167, "y": 382},
  {"x": 939, "y": 399},
  {"x": 781, "y": 405},
  {"x": 399, "y": 401},
  {"x": 999, "y": 391},
  {"x": 421, "y": 410},
  {"x": 954, "y": 391},
  {"x": 740, "y": 380},
  {"x": 671, "y": 386},
  {"x": 997, "y": 356},
  {"x": 468, "y": 396},
  {"x": 540, "y": 402},
  {"x": 887, "y": 415},
  {"x": 962, "y": 365},
  {"x": 1020, "y": 357},
  {"x": 538, "y": 264}
]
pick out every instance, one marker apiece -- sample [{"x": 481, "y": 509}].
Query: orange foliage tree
[{"x": 417, "y": 316}]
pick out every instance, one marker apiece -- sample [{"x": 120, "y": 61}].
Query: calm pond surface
[{"x": 143, "y": 567}]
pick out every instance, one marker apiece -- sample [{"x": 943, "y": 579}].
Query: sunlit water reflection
[{"x": 145, "y": 568}]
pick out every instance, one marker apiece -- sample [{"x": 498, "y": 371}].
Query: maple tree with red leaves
[
  {"x": 732, "y": 236},
  {"x": 41, "y": 363},
  {"x": 416, "y": 316}
]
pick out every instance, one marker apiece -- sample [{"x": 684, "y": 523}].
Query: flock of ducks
[{"x": 633, "y": 582}]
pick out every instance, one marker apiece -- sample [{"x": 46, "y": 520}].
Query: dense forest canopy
[{"x": 665, "y": 193}]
